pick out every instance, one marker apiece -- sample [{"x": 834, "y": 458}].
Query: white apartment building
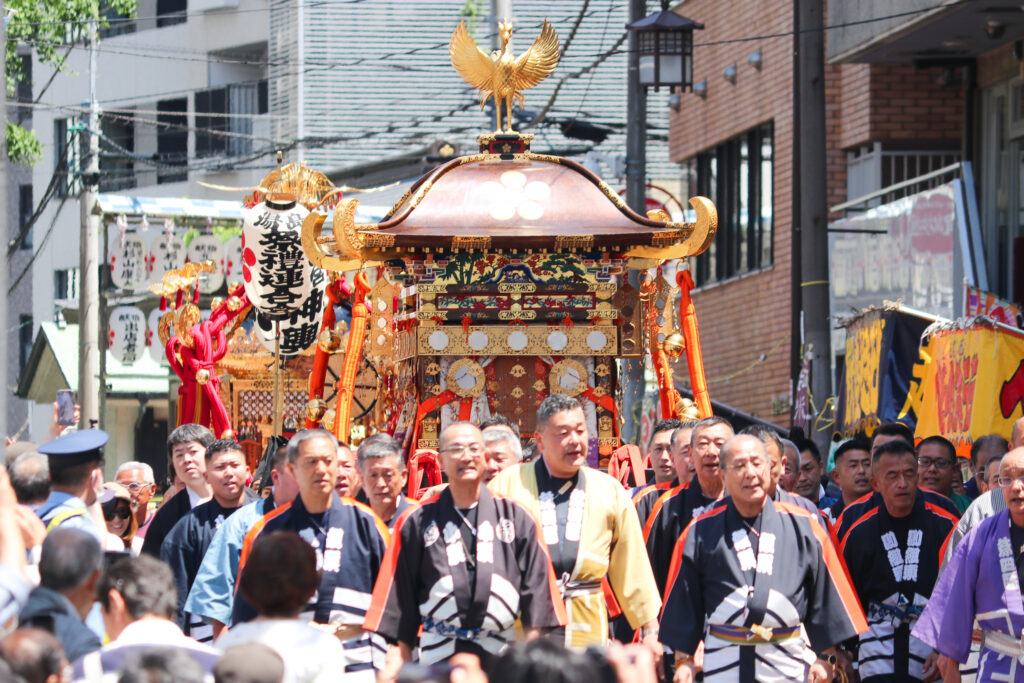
[{"x": 205, "y": 91}]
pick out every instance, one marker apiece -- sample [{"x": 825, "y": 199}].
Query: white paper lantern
[
  {"x": 208, "y": 248},
  {"x": 275, "y": 271},
  {"x": 127, "y": 331},
  {"x": 300, "y": 331},
  {"x": 153, "y": 345},
  {"x": 166, "y": 253},
  {"x": 231, "y": 259},
  {"x": 128, "y": 262}
]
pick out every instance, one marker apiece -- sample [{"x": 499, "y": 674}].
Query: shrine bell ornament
[
  {"x": 127, "y": 332},
  {"x": 276, "y": 274}
]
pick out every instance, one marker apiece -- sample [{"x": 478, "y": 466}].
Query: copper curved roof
[{"x": 528, "y": 201}]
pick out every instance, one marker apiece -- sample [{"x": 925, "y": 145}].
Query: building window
[
  {"x": 24, "y": 91},
  {"x": 172, "y": 140},
  {"x": 24, "y": 340},
  {"x": 25, "y": 209},
  {"x": 224, "y": 123},
  {"x": 737, "y": 176},
  {"x": 68, "y": 150},
  {"x": 65, "y": 284},
  {"x": 117, "y": 147},
  {"x": 118, "y": 24},
  {"x": 171, "y": 12},
  {"x": 212, "y": 122}
]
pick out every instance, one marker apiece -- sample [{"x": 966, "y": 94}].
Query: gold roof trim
[
  {"x": 574, "y": 241},
  {"x": 471, "y": 242},
  {"x": 699, "y": 238}
]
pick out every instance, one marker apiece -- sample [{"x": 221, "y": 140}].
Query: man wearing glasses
[
  {"x": 759, "y": 581},
  {"x": 886, "y": 433},
  {"x": 138, "y": 478},
  {"x": 589, "y": 526},
  {"x": 982, "y": 581},
  {"x": 462, "y": 567},
  {"x": 893, "y": 553},
  {"x": 936, "y": 458}
]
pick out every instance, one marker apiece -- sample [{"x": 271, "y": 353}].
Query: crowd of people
[{"x": 747, "y": 557}]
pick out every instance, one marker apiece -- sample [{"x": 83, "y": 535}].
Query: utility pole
[
  {"x": 4, "y": 275},
  {"x": 501, "y": 10},
  {"x": 636, "y": 120},
  {"x": 636, "y": 197},
  {"x": 811, "y": 204},
  {"x": 89, "y": 295}
]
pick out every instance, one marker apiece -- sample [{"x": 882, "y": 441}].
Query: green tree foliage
[{"x": 50, "y": 28}]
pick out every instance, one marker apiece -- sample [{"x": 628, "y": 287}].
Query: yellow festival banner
[
  {"x": 881, "y": 351},
  {"x": 968, "y": 382}
]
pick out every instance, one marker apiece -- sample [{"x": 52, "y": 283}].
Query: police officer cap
[{"x": 76, "y": 448}]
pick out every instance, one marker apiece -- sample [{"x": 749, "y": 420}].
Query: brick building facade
[{"x": 743, "y": 88}]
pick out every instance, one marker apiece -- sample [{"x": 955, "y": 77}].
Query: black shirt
[{"x": 1017, "y": 539}]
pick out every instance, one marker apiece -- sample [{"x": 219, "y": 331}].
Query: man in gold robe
[{"x": 589, "y": 525}]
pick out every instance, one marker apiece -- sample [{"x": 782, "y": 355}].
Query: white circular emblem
[
  {"x": 517, "y": 340},
  {"x": 506, "y": 531},
  {"x": 596, "y": 340},
  {"x": 438, "y": 340},
  {"x": 478, "y": 340},
  {"x": 557, "y": 340},
  {"x": 431, "y": 535}
]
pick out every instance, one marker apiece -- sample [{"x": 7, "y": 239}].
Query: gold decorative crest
[
  {"x": 569, "y": 377},
  {"x": 466, "y": 378}
]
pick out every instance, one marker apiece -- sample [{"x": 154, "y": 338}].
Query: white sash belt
[{"x": 1004, "y": 644}]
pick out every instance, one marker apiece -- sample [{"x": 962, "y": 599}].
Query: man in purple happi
[{"x": 982, "y": 582}]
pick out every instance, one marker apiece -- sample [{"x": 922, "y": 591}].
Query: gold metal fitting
[
  {"x": 674, "y": 345},
  {"x": 329, "y": 341},
  {"x": 316, "y": 409}
]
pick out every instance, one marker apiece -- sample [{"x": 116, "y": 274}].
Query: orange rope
[
  {"x": 349, "y": 370},
  {"x": 694, "y": 359},
  {"x": 362, "y": 288},
  {"x": 321, "y": 358},
  {"x": 666, "y": 388}
]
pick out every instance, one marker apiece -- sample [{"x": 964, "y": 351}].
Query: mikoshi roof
[{"x": 511, "y": 201}]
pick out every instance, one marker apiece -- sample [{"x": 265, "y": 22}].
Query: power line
[
  {"x": 113, "y": 21},
  {"x": 174, "y": 53}
]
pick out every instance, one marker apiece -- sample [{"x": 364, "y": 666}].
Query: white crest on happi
[{"x": 127, "y": 330}]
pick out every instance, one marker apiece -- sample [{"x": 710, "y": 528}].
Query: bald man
[
  {"x": 981, "y": 582},
  {"x": 1017, "y": 438}
]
